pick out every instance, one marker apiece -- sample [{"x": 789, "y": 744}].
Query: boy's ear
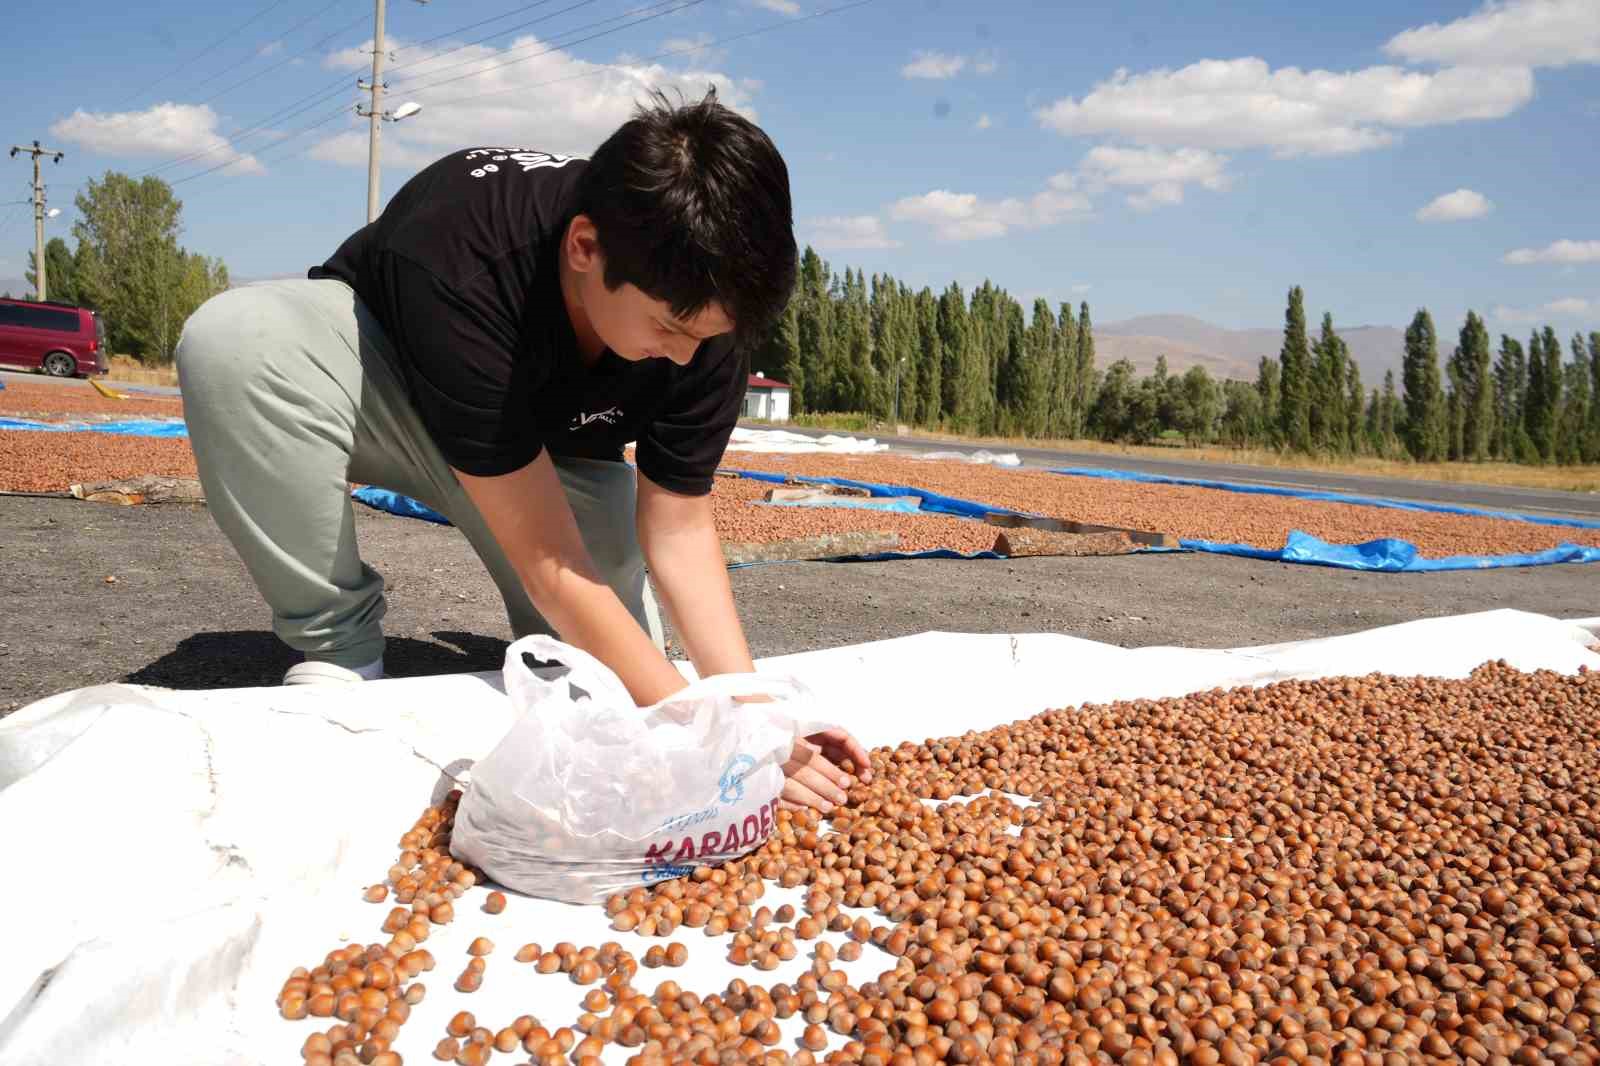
[{"x": 583, "y": 245}]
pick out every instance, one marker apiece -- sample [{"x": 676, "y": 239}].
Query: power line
[
  {"x": 312, "y": 99},
  {"x": 327, "y": 92},
  {"x": 280, "y": 141},
  {"x": 475, "y": 25},
  {"x": 358, "y": 20},
  {"x": 321, "y": 96},
  {"x": 488, "y": 37},
  {"x": 331, "y": 89},
  {"x": 255, "y": 50},
  {"x": 681, "y": 6},
  {"x": 210, "y": 48},
  {"x": 600, "y": 68}
]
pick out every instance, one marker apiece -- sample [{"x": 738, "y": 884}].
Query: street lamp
[{"x": 405, "y": 110}]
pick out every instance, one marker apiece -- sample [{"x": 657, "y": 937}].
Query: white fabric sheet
[{"x": 176, "y": 854}]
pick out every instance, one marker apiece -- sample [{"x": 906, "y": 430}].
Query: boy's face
[{"x": 627, "y": 320}]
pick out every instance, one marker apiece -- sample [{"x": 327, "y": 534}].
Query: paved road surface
[
  {"x": 1506, "y": 498},
  {"x": 184, "y": 613},
  {"x": 9, "y": 376}
]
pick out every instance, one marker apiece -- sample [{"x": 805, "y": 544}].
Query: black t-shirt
[{"x": 461, "y": 271}]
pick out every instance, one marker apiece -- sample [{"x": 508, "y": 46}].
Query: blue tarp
[
  {"x": 932, "y": 502},
  {"x": 1386, "y": 555},
  {"x": 394, "y": 503},
  {"x": 1326, "y": 497},
  {"x": 138, "y": 427}
]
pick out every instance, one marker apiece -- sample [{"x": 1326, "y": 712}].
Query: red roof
[{"x": 756, "y": 381}]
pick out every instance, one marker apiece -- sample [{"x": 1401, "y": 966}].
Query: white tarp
[
  {"x": 980, "y": 457},
  {"x": 177, "y": 854},
  {"x": 781, "y": 440}
]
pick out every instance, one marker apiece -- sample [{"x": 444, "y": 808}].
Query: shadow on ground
[{"x": 247, "y": 658}]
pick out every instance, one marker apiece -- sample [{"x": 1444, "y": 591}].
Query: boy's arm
[
  {"x": 685, "y": 558},
  {"x": 527, "y": 512}
]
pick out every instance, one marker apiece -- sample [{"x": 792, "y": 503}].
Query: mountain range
[{"x": 1234, "y": 353}]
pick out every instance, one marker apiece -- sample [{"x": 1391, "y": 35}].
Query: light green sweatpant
[{"x": 289, "y": 398}]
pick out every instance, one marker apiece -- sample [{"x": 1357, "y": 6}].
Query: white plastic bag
[{"x": 589, "y": 794}]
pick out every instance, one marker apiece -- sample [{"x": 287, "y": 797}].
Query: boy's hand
[{"x": 812, "y": 774}]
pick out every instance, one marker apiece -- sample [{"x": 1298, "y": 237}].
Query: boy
[{"x": 487, "y": 346}]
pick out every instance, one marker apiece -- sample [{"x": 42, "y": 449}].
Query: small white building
[{"x": 766, "y": 398}]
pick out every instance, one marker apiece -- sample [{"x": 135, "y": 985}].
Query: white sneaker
[{"x": 311, "y": 672}]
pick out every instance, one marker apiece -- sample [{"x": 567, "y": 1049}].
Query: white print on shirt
[
  {"x": 609, "y": 416},
  {"x": 525, "y": 158}
]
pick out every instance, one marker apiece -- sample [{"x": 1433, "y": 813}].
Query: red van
[{"x": 60, "y": 339}]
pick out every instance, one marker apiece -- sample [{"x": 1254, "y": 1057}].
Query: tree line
[
  {"x": 983, "y": 365},
  {"x": 128, "y": 265}
]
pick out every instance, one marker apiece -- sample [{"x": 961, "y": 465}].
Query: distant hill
[{"x": 1235, "y": 353}]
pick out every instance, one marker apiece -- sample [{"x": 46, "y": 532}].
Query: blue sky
[{"x": 1146, "y": 156}]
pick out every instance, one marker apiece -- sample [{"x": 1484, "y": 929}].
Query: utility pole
[
  {"x": 38, "y": 211},
  {"x": 375, "y": 113}
]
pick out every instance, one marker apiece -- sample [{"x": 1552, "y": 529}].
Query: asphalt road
[
  {"x": 1496, "y": 497},
  {"x": 182, "y": 612},
  {"x": 9, "y": 376}
]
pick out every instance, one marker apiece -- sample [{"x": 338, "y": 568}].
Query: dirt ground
[{"x": 183, "y": 613}]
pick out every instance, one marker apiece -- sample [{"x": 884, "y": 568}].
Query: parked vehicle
[{"x": 60, "y": 339}]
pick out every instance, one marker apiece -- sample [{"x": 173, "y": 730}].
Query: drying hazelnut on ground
[
  {"x": 376, "y": 894},
  {"x": 529, "y": 953},
  {"x": 480, "y": 946},
  {"x": 495, "y": 903}
]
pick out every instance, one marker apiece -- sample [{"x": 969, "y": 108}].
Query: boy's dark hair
[{"x": 691, "y": 204}]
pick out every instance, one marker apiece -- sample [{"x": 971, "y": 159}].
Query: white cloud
[
  {"x": 1158, "y": 174},
  {"x": 985, "y": 63},
  {"x": 161, "y": 130},
  {"x": 1534, "y": 33},
  {"x": 854, "y": 231},
  {"x": 1455, "y": 207},
  {"x": 694, "y": 49},
  {"x": 1243, "y": 103},
  {"x": 554, "y": 102},
  {"x": 1569, "y": 306},
  {"x": 782, "y": 7},
  {"x": 271, "y": 48},
  {"x": 967, "y": 216},
  {"x": 933, "y": 65},
  {"x": 1562, "y": 251},
  {"x": 984, "y": 122}
]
